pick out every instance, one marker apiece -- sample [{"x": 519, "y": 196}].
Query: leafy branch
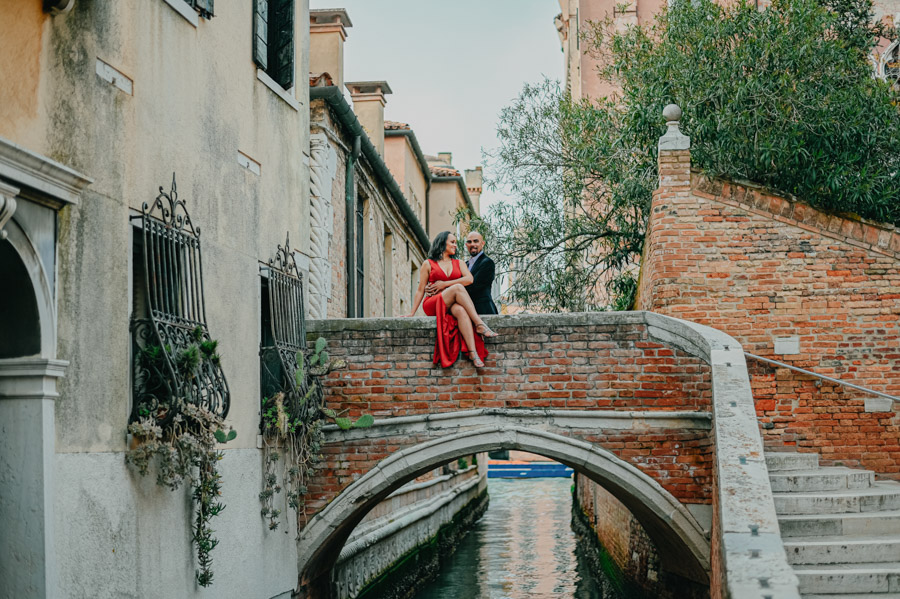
[{"x": 292, "y": 423}]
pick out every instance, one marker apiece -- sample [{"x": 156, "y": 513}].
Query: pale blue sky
[{"x": 452, "y": 64}]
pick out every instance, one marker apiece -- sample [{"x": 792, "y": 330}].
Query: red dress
[{"x": 449, "y": 342}]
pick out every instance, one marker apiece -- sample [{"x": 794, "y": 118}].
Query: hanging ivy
[
  {"x": 292, "y": 434},
  {"x": 181, "y": 439}
]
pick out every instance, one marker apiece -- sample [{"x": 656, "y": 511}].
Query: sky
[{"x": 452, "y": 64}]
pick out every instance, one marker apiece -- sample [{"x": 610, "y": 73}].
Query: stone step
[
  {"x": 881, "y": 496},
  {"x": 849, "y": 578},
  {"x": 822, "y": 479},
  {"x": 842, "y": 550},
  {"x": 822, "y": 525},
  {"x": 779, "y": 462}
]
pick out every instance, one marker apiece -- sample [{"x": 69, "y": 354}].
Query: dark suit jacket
[{"x": 480, "y": 289}]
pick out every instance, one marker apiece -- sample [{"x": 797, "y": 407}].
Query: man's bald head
[{"x": 474, "y": 243}]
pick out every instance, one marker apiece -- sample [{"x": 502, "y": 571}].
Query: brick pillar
[{"x": 673, "y": 191}]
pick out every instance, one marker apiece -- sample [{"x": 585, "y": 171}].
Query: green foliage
[
  {"x": 223, "y": 437},
  {"x": 582, "y": 193},
  {"x": 783, "y": 97},
  {"x": 292, "y": 423},
  {"x": 364, "y": 421},
  {"x": 183, "y": 447},
  {"x": 462, "y": 464}
]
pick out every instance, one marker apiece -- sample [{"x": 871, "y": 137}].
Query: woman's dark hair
[{"x": 438, "y": 245}]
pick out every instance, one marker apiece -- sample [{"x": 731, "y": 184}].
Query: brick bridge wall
[
  {"x": 558, "y": 363},
  {"x": 760, "y": 267}
]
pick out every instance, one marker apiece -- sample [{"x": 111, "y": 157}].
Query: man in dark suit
[{"x": 482, "y": 269}]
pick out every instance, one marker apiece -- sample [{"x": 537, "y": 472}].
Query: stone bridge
[{"x": 656, "y": 410}]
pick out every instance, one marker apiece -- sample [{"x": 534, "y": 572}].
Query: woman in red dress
[{"x": 441, "y": 283}]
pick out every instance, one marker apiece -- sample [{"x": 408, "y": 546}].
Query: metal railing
[{"x": 822, "y": 376}]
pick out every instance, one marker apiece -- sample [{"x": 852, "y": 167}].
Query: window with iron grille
[
  {"x": 283, "y": 335},
  {"x": 169, "y": 330},
  {"x": 204, "y": 7},
  {"x": 273, "y": 39}
]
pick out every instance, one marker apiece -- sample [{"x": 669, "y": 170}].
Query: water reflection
[{"x": 523, "y": 548}]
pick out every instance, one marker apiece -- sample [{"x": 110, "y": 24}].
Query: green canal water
[{"x": 522, "y": 548}]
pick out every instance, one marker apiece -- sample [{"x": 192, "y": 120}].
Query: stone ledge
[
  {"x": 871, "y": 235},
  {"x": 639, "y": 420}
]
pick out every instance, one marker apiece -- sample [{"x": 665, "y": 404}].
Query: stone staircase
[{"x": 841, "y": 528}]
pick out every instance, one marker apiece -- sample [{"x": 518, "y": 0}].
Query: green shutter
[
  {"x": 261, "y": 33},
  {"x": 281, "y": 42}
]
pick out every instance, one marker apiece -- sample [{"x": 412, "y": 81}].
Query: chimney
[
  {"x": 474, "y": 182},
  {"x": 368, "y": 105},
  {"x": 446, "y": 157},
  {"x": 327, "y": 33}
]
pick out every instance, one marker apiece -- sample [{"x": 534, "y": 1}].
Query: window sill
[
  {"x": 279, "y": 91},
  {"x": 182, "y": 8}
]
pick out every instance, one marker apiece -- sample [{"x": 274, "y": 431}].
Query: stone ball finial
[{"x": 672, "y": 113}]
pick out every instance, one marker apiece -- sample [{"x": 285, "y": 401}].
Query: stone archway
[
  {"x": 683, "y": 546},
  {"x": 20, "y": 328},
  {"x": 28, "y": 375},
  {"x": 32, "y": 305}
]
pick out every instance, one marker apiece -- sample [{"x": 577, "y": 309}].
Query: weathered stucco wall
[
  {"x": 195, "y": 102},
  {"x": 444, "y": 200},
  {"x": 188, "y": 116},
  {"x": 122, "y": 535},
  {"x": 401, "y": 159}
]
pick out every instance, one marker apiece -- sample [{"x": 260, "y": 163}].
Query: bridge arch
[{"x": 682, "y": 543}]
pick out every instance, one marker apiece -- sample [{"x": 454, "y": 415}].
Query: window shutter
[
  {"x": 261, "y": 33},
  {"x": 281, "y": 42},
  {"x": 204, "y": 7}
]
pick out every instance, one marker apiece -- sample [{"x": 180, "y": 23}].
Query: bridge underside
[{"x": 574, "y": 438}]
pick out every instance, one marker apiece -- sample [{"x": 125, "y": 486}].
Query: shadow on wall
[{"x": 20, "y": 328}]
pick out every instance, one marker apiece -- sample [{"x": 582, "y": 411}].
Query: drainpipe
[
  {"x": 428, "y": 203},
  {"x": 350, "y": 195}
]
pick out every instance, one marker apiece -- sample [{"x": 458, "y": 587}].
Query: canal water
[{"x": 522, "y": 548}]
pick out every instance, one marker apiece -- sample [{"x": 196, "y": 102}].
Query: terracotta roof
[
  {"x": 394, "y": 125},
  {"x": 320, "y": 79},
  {"x": 443, "y": 171}
]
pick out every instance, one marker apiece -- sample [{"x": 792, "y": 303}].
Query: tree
[{"x": 784, "y": 97}]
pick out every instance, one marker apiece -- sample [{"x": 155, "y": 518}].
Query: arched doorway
[
  {"x": 680, "y": 540},
  {"x": 28, "y": 374},
  {"x": 20, "y": 327}
]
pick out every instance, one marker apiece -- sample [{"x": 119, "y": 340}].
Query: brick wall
[
  {"x": 580, "y": 367},
  {"x": 390, "y": 373},
  {"x": 760, "y": 267}
]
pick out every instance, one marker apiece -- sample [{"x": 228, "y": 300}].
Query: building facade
[
  {"x": 580, "y": 65},
  {"x": 129, "y": 130}
]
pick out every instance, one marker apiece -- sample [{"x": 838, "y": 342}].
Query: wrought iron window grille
[
  {"x": 283, "y": 349},
  {"x": 204, "y": 7},
  {"x": 168, "y": 329}
]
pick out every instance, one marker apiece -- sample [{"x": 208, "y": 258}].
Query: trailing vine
[
  {"x": 292, "y": 423},
  {"x": 181, "y": 439}
]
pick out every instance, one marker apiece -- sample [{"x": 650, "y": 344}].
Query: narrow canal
[{"x": 523, "y": 548}]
